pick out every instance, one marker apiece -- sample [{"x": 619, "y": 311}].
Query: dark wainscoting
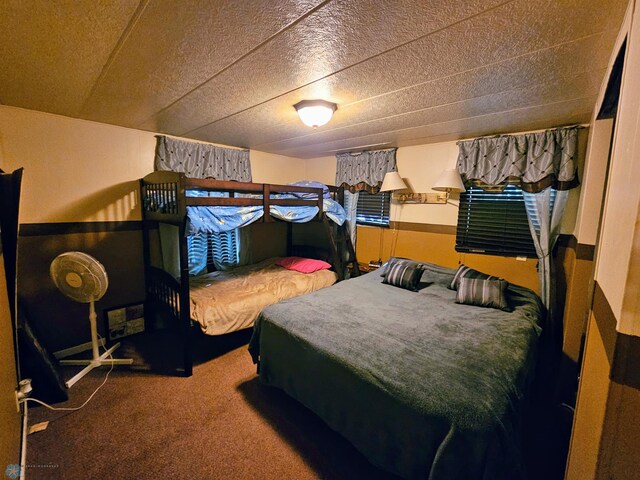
[
  {"x": 623, "y": 351},
  {"x": 61, "y": 322},
  {"x": 583, "y": 250}
]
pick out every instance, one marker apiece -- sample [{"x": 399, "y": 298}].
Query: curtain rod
[
  {"x": 189, "y": 140},
  {"x": 579, "y": 126}
]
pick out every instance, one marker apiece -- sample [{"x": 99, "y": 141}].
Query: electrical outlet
[{"x": 23, "y": 391}]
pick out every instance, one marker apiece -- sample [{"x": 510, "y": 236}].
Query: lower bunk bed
[
  {"x": 228, "y": 301},
  {"x": 423, "y": 386}
]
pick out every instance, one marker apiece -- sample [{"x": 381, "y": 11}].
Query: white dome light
[{"x": 315, "y": 113}]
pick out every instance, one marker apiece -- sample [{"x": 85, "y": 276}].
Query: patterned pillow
[
  {"x": 468, "y": 272},
  {"x": 385, "y": 266},
  {"x": 311, "y": 184},
  {"x": 403, "y": 274},
  {"x": 483, "y": 293}
]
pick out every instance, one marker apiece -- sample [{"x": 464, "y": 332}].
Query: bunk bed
[{"x": 195, "y": 206}]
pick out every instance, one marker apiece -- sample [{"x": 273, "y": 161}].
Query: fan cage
[{"x": 79, "y": 276}]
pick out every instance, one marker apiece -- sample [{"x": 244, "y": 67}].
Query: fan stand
[{"x": 97, "y": 360}]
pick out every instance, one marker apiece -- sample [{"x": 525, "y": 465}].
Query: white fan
[{"x": 83, "y": 278}]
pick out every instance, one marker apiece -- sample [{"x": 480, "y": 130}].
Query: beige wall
[
  {"x": 272, "y": 168},
  {"x": 622, "y": 202},
  {"x": 595, "y": 171},
  {"x": 74, "y": 170},
  {"x": 321, "y": 169},
  {"x": 80, "y": 171},
  {"x": 606, "y": 428},
  {"x": 77, "y": 170},
  {"x": 420, "y": 166}
]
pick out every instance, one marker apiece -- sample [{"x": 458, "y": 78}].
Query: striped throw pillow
[
  {"x": 483, "y": 293},
  {"x": 468, "y": 272},
  {"x": 403, "y": 274},
  {"x": 385, "y": 266}
]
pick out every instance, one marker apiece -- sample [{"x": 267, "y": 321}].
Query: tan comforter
[{"x": 223, "y": 302}]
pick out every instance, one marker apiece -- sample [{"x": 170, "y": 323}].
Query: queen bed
[{"x": 422, "y": 386}]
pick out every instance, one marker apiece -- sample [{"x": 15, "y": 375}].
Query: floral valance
[
  {"x": 365, "y": 170},
  {"x": 202, "y": 160},
  {"x": 535, "y": 161}
]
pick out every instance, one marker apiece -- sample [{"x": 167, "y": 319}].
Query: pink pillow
[{"x": 303, "y": 265}]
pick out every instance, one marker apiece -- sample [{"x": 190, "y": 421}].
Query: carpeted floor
[{"x": 218, "y": 424}]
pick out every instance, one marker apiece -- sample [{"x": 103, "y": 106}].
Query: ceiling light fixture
[{"x": 315, "y": 113}]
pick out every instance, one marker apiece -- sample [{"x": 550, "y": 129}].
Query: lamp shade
[
  {"x": 315, "y": 113},
  {"x": 392, "y": 181},
  {"x": 449, "y": 181}
]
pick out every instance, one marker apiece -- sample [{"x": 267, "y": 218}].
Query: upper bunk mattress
[
  {"x": 223, "y": 302},
  {"x": 219, "y": 219}
]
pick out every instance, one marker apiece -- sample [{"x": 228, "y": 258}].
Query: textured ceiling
[{"x": 403, "y": 72}]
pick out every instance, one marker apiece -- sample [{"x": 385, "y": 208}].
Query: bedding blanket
[
  {"x": 223, "y": 302},
  {"x": 422, "y": 386}
]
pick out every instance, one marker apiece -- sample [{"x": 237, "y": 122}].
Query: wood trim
[
  {"x": 567, "y": 241},
  {"x": 627, "y": 358},
  {"x": 583, "y": 251},
  {"x": 424, "y": 227},
  {"x": 623, "y": 351},
  {"x": 606, "y": 321},
  {"x": 65, "y": 228}
]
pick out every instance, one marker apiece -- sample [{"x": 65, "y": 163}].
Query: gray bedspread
[{"x": 422, "y": 386}]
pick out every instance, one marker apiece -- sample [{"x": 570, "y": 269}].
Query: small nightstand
[{"x": 366, "y": 268}]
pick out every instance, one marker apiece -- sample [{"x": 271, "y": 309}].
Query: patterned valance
[
  {"x": 202, "y": 160},
  {"x": 365, "y": 170},
  {"x": 534, "y": 161}
]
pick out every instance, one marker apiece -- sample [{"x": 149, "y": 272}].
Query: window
[
  {"x": 373, "y": 209},
  {"x": 223, "y": 249},
  {"x": 197, "y": 254},
  {"x": 210, "y": 251},
  {"x": 494, "y": 223}
]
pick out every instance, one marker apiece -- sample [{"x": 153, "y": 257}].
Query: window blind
[
  {"x": 223, "y": 248},
  {"x": 197, "y": 251},
  {"x": 373, "y": 209},
  {"x": 494, "y": 223}
]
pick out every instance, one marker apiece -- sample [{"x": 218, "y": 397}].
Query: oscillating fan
[{"x": 83, "y": 278}]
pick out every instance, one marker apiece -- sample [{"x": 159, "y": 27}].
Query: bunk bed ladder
[
  {"x": 341, "y": 242},
  {"x": 343, "y": 231}
]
